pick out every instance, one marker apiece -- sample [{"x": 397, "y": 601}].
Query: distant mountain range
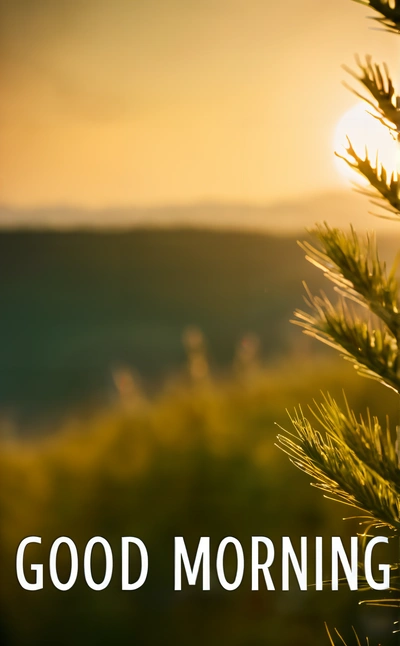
[{"x": 286, "y": 217}]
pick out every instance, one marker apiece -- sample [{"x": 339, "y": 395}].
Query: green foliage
[
  {"x": 359, "y": 276},
  {"x": 373, "y": 351},
  {"x": 355, "y": 268},
  {"x": 353, "y": 462},
  {"x": 371, "y": 443}
]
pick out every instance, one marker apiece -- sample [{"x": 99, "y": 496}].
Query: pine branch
[
  {"x": 357, "y": 272},
  {"x": 377, "y": 81},
  {"x": 373, "y": 351},
  {"x": 355, "y": 461},
  {"x": 340, "y": 474},
  {"x": 390, "y": 15},
  {"x": 371, "y": 443},
  {"x": 386, "y": 186}
]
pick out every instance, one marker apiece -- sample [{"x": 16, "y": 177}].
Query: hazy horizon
[{"x": 290, "y": 216}]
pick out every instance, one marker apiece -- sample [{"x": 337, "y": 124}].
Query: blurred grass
[{"x": 196, "y": 460}]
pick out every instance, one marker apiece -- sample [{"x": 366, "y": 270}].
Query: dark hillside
[{"x": 77, "y": 304}]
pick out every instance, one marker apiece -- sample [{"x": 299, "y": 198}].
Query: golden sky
[{"x": 142, "y": 102}]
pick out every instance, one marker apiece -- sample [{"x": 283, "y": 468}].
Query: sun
[{"x": 364, "y": 131}]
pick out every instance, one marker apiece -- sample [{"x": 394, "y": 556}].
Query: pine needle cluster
[
  {"x": 389, "y": 12},
  {"x": 361, "y": 279}
]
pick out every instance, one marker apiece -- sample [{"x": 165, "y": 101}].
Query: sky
[{"x": 152, "y": 102}]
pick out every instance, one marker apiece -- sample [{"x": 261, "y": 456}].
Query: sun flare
[{"x": 364, "y": 131}]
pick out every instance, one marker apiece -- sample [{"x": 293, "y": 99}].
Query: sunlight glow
[{"x": 364, "y": 131}]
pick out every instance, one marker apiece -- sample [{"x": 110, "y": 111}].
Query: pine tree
[{"x": 356, "y": 460}]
